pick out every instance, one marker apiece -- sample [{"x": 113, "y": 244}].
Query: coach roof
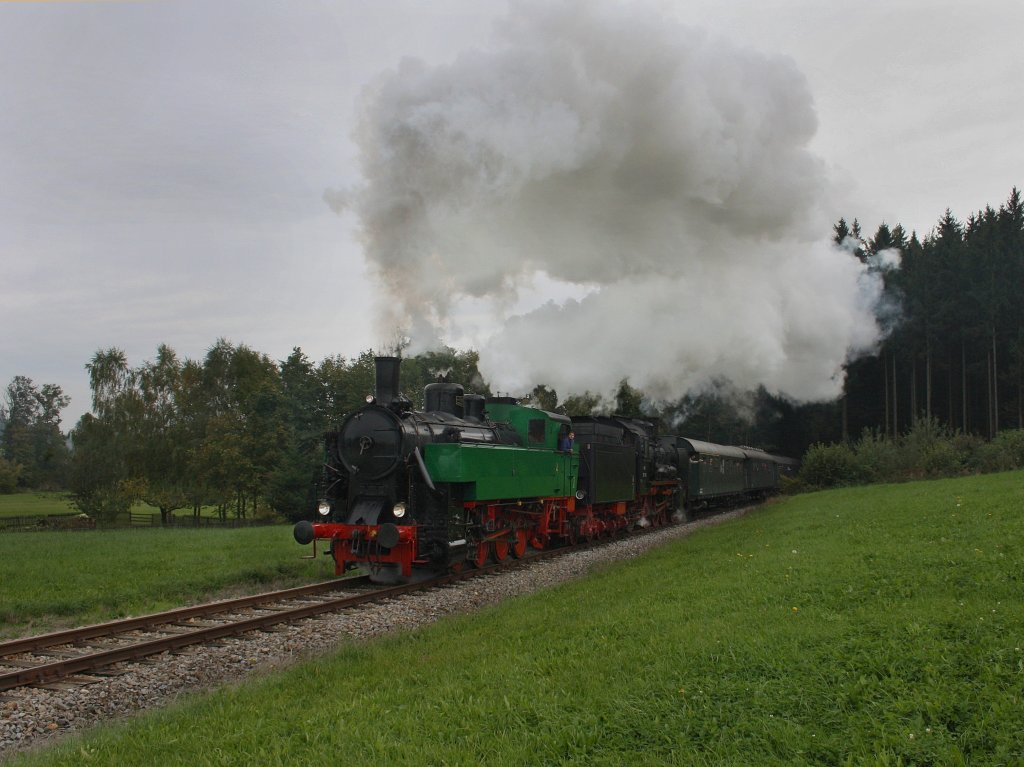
[{"x": 709, "y": 448}]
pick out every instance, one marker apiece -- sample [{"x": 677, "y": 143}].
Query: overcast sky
[{"x": 163, "y": 164}]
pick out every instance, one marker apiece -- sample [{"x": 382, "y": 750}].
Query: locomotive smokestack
[{"x": 387, "y": 379}]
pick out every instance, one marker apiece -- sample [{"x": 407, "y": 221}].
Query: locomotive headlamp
[
  {"x": 399, "y": 510},
  {"x": 370, "y": 399},
  {"x": 324, "y": 508}
]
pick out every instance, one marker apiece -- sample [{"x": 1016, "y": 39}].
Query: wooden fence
[
  {"x": 153, "y": 520},
  {"x": 49, "y": 522}
]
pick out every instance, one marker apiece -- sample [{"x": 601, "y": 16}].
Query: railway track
[
  {"x": 84, "y": 655},
  {"x": 47, "y": 659}
]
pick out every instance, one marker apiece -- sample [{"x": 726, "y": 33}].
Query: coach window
[{"x": 537, "y": 431}]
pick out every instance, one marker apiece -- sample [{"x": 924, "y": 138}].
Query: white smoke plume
[
  {"x": 661, "y": 175},
  {"x": 887, "y": 259}
]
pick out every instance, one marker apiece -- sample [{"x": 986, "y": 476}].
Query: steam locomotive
[{"x": 409, "y": 493}]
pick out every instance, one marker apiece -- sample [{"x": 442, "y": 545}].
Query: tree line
[
  {"x": 954, "y": 351},
  {"x": 242, "y": 432},
  {"x": 236, "y": 430}
]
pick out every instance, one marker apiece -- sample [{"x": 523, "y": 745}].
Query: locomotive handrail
[{"x": 423, "y": 469}]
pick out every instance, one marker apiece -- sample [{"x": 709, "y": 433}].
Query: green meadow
[
  {"x": 35, "y": 505},
  {"x": 49, "y": 504},
  {"x": 868, "y": 626},
  {"x": 57, "y": 579}
]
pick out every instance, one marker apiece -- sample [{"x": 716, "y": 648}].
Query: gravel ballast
[{"x": 30, "y": 717}]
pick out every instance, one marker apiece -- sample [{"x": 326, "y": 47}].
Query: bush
[
  {"x": 10, "y": 472},
  {"x": 791, "y": 485},
  {"x": 929, "y": 449},
  {"x": 106, "y": 502},
  {"x": 1011, "y": 444},
  {"x": 921, "y": 442},
  {"x": 878, "y": 457},
  {"x": 941, "y": 460},
  {"x": 830, "y": 466},
  {"x": 989, "y": 458},
  {"x": 1004, "y": 453},
  {"x": 967, "y": 446}
]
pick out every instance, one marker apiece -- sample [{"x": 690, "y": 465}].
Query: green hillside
[{"x": 873, "y": 625}]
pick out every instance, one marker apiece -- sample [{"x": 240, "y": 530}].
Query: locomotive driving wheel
[
  {"x": 572, "y": 534},
  {"x": 519, "y": 547},
  {"x": 479, "y": 554},
  {"x": 584, "y": 529},
  {"x": 500, "y": 550}
]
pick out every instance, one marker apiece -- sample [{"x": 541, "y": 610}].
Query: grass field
[
  {"x": 35, "y": 505},
  {"x": 38, "y": 504},
  {"x": 870, "y": 626},
  {"x": 56, "y": 579}
]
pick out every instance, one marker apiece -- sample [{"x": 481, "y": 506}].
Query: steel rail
[
  {"x": 49, "y": 672},
  {"x": 71, "y": 636},
  {"x": 46, "y": 673}
]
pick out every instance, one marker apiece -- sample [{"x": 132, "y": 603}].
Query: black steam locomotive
[{"x": 469, "y": 479}]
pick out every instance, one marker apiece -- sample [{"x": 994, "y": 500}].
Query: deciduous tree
[{"x": 32, "y": 437}]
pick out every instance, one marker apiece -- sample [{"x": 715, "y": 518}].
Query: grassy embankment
[
  {"x": 873, "y": 625},
  {"x": 41, "y": 504},
  {"x": 54, "y": 579}
]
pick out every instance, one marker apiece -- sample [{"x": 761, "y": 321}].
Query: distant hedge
[{"x": 927, "y": 450}]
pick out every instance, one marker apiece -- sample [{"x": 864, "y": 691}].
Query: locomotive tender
[{"x": 466, "y": 480}]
